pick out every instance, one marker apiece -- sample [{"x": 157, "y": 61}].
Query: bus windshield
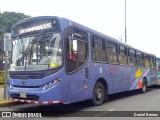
[{"x": 37, "y": 52}]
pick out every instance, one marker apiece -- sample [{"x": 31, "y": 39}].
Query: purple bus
[{"x": 56, "y": 60}]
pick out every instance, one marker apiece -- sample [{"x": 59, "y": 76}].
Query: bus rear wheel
[
  {"x": 144, "y": 86},
  {"x": 98, "y": 94}
]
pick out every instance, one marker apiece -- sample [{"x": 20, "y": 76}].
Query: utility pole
[
  {"x": 7, "y": 48},
  {"x": 125, "y": 23}
]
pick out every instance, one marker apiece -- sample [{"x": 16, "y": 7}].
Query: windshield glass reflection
[{"x": 37, "y": 52}]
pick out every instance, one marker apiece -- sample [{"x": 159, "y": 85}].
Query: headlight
[
  {"x": 56, "y": 81},
  {"x": 44, "y": 87},
  {"x": 50, "y": 84},
  {"x": 10, "y": 86}
]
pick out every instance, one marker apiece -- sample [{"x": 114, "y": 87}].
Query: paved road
[{"x": 128, "y": 101}]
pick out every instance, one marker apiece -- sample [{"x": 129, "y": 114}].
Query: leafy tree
[{"x": 7, "y": 20}]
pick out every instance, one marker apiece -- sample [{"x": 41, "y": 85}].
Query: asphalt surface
[
  {"x": 133, "y": 101},
  {"x": 126, "y": 101},
  {"x": 123, "y": 102}
]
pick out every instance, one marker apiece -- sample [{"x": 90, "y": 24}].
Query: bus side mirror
[{"x": 7, "y": 42}]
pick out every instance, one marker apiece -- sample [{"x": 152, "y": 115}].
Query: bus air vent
[{"x": 27, "y": 76}]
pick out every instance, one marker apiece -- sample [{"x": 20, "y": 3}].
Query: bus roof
[
  {"x": 105, "y": 36},
  {"x": 72, "y": 23}
]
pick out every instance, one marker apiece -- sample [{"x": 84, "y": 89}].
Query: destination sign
[{"x": 35, "y": 28}]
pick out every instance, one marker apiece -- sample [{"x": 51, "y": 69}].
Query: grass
[
  {"x": 1, "y": 78},
  {"x": 1, "y": 84}
]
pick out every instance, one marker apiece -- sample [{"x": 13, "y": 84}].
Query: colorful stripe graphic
[{"x": 138, "y": 79}]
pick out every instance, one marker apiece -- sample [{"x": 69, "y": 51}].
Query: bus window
[
  {"x": 122, "y": 55},
  {"x": 146, "y": 61},
  {"x": 112, "y": 52},
  {"x": 104, "y": 55},
  {"x": 153, "y": 62},
  {"x": 76, "y": 50},
  {"x": 96, "y": 48},
  {"x": 132, "y": 57},
  {"x": 72, "y": 51},
  {"x": 139, "y": 59}
]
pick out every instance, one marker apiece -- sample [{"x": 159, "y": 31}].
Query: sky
[{"x": 105, "y": 16}]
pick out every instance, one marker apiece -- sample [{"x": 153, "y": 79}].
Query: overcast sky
[{"x": 106, "y": 16}]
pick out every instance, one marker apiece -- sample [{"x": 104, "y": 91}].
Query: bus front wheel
[{"x": 98, "y": 94}]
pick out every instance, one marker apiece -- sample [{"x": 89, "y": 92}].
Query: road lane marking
[
  {"x": 111, "y": 110},
  {"x": 103, "y": 113}
]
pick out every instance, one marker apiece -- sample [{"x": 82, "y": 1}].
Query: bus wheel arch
[
  {"x": 100, "y": 92},
  {"x": 144, "y": 85}
]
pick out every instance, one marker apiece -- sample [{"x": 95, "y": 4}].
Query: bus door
[
  {"x": 75, "y": 66},
  {"x": 76, "y": 81}
]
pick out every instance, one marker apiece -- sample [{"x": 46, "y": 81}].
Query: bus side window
[
  {"x": 146, "y": 61},
  {"x": 96, "y": 48},
  {"x": 139, "y": 59},
  {"x": 153, "y": 62},
  {"x": 72, "y": 50},
  {"x": 122, "y": 55},
  {"x": 112, "y": 52},
  {"x": 104, "y": 55},
  {"x": 132, "y": 57},
  {"x": 76, "y": 52}
]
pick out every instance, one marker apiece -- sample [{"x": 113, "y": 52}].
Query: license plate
[{"x": 23, "y": 95}]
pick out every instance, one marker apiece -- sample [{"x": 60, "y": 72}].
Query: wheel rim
[
  {"x": 99, "y": 94},
  {"x": 144, "y": 88}
]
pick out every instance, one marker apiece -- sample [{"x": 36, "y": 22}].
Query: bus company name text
[
  {"x": 21, "y": 115},
  {"x": 146, "y": 114}
]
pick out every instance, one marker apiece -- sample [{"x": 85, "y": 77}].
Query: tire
[
  {"x": 144, "y": 86},
  {"x": 98, "y": 94}
]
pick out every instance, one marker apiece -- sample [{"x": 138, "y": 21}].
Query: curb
[{"x": 5, "y": 103}]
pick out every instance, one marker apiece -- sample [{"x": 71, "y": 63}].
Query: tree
[{"x": 7, "y": 20}]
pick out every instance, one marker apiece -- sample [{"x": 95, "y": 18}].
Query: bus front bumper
[{"x": 36, "y": 95}]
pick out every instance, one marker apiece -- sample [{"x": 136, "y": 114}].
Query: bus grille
[
  {"x": 28, "y": 97},
  {"x": 27, "y": 76}
]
